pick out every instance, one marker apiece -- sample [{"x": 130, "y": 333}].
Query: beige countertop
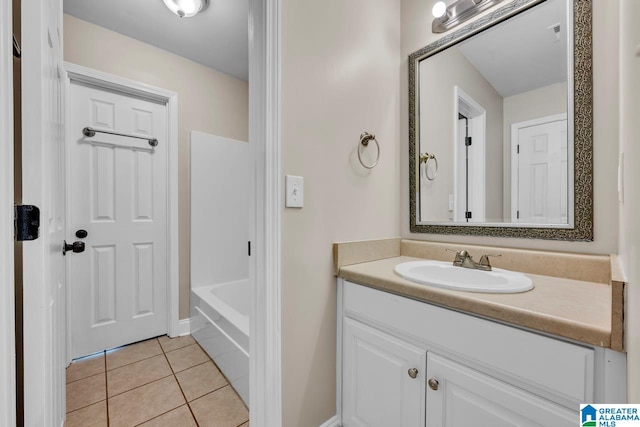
[{"x": 574, "y": 309}]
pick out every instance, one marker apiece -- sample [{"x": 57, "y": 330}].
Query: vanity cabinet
[
  {"x": 383, "y": 379},
  {"x": 407, "y": 363},
  {"x": 459, "y": 396}
]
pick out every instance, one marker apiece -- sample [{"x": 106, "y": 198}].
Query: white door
[
  {"x": 7, "y": 295},
  {"x": 464, "y": 397},
  {"x": 43, "y": 183},
  {"x": 541, "y": 156},
  {"x": 118, "y": 191},
  {"x": 383, "y": 383}
]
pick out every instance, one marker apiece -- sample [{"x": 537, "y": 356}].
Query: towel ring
[
  {"x": 365, "y": 137},
  {"x": 425, "y": 158}
]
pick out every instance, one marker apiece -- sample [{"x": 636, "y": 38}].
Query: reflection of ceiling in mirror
[{"x": 522, "y": 53}]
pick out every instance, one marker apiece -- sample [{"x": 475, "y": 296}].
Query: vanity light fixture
[
  {"x": 448, "y": 17},
  {"x": 186, "y": 8},
  {"x": 439, "y": 9}
]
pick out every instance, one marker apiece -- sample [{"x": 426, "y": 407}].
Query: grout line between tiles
[
  {"x": 122, "y": 366},
  {"x": 164, "y": 413},
  {"x": 180, "y": 387},
  {"x": 128, "y": 345},
  {"x": 212, "y": 391},
  {"x": 180, "y": 348},
  {"x": 223, "y": 376},
  {"x": 169, "y": 363},
  {"x": 85, "y": 406},
  {"x": 199, "y": 364},
  {"x": 173, "y": 373},
  {"x": 218, "y": 389},
  {"x": 84, "y": 378},
  {"x": 138, "y": 386}
]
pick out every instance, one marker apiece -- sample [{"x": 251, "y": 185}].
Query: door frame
[
  {"x": 265, "y": 130},
  {"x": 7, "y": 297},
  {"x": 478, "y": 180},
  {"x": 515, "y": 168},
  {"x": 265, "y": 115},
  {"x": 102, "y": 80}
]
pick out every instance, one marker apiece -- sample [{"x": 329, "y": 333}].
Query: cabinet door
[
  {"x": 378, "y": 387},
  {"x": 465, "y": 397}
]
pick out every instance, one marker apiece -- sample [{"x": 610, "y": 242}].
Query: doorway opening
[
  {"x": 469, "y": 155},
  {"x": 46, "y": 355}
]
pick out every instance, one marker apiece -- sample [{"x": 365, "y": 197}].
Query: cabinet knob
[
  {"x": 433, "y": 384},
  {"x": 413, "y": 372}
]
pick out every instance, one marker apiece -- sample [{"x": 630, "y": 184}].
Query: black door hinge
[
  {"x": 518, "y": 149},
  {"x": 467, "y": 141},
  {"x": 26, "y": 222},
  {"x": 467, "y": 215},
  {"x": 249, "y": 248},
  {"x": 517, "y": 214}
]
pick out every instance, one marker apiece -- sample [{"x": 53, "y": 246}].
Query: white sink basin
[{"x": 444, "y": 275}]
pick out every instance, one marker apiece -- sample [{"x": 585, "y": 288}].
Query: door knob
[
  {"x": 75, "y": 247},
  {"x": 413, "y": 372},
  {"x": 433, "y": 384},
  {"x": 81, "y": 234}
]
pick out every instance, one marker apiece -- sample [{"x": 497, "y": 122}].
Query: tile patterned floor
[{"x": 161, "y": 382}]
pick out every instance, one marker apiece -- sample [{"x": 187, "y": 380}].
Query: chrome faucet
[{"x": 464, "y": 259}]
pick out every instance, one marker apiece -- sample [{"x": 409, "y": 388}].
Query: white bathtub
[{"x": 220, "y": 324}]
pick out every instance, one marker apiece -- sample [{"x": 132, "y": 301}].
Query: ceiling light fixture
[
  {"x": 448, "y": 17},
  {"x": 186, "y": 8}
]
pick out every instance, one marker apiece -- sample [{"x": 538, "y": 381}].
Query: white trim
[
  {"x": 477, "y": 199},
  {"x": 332, "y": 422},
  {"x": 264, "y": 131},
  {"x": 515, "y": 166},
  {"x": 7, "y": 300},
  {"x": 101, "y": 79},
  {"x": 104, "y": 80},
  {"x": 339, "y": 349},
  {"x": 184, "y": 327}
]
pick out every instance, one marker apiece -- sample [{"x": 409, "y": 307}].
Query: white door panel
[
  {"x": 118, "y": 191},
  {"x": 465, "y": 397},
  {"x": 7, "y": 199},
  {"x": 377, "y": 388},
  {"x": 542, "y": 173},
  {"x": 43, "y": 184}
]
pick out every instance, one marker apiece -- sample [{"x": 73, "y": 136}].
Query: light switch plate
[{"x": 294, "y": 187}]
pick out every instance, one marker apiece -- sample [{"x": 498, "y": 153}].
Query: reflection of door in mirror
[
  {"x": 469, "y": 155},
  {"x": 539, "y": 167}
]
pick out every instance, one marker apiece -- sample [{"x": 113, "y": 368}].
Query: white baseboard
[
  {"x": 332, "y": 422},
  {"x": 184, "y": 327}
]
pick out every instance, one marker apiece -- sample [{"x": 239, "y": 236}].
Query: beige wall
[
  {"x": 630, "y": 228},
  {"x": 416, "y": 33},
  {"x": 439, "y": 74},
  {"x": 340, "y": 77},
  {"x": 545, "y": 101},
  {"x": 208, "y": 101}
]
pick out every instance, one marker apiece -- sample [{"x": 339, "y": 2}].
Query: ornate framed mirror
[{"x": 500, "y": 125}]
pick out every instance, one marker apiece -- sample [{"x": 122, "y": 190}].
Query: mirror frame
[{"x": 582, "y": 129}]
